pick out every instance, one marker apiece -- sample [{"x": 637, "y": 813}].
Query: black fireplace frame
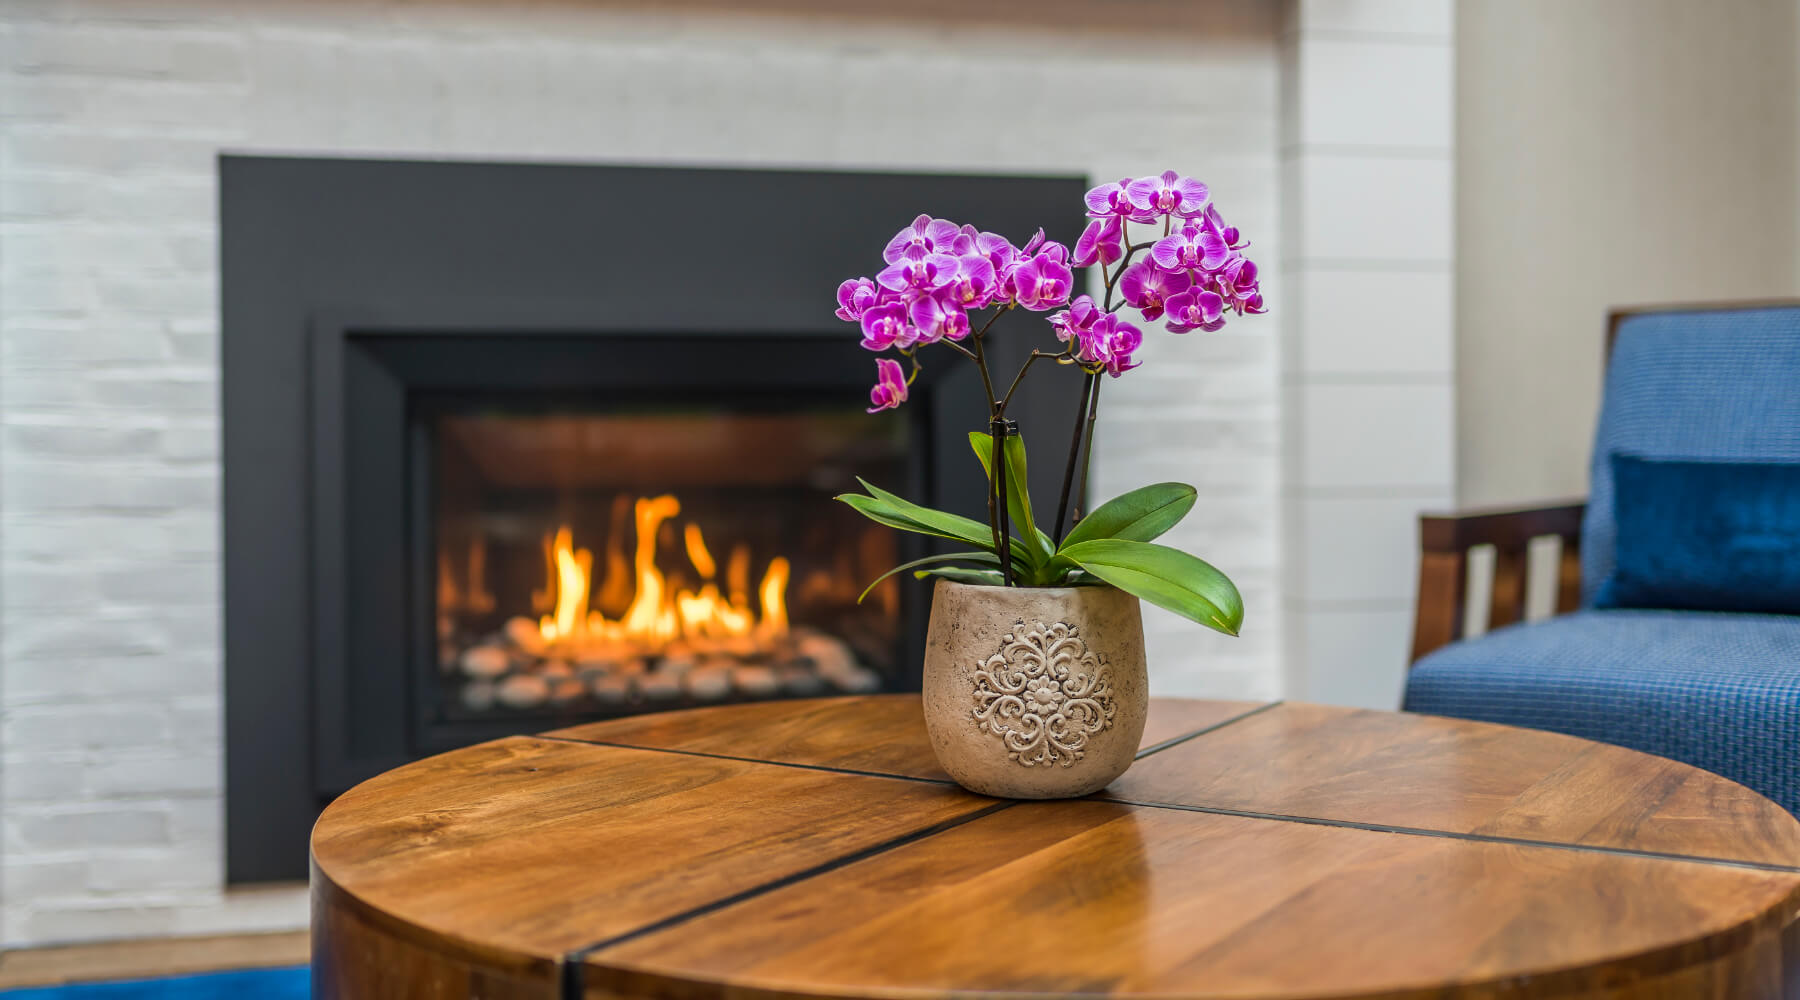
[{"x": 358, "y": 281}]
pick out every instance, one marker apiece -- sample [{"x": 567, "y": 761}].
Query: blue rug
[{"x": 252, "y": 984}]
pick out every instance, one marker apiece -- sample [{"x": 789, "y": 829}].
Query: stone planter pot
[{"x": 1034, "y": 692}]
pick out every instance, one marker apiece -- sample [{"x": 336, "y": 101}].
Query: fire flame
[{"x": 658, "y": 615}]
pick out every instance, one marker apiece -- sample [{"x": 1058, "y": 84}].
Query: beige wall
[{"x": 1608, "y": 152}]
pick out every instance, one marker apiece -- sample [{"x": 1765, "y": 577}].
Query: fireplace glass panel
[{"x": 607, "y": 563}]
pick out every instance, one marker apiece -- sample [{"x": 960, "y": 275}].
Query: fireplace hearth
[{"x": 504, "y": 452}]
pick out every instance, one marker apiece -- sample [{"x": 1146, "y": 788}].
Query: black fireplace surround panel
[{"x": 352, "y": 289}]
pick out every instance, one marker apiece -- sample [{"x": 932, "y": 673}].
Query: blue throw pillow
[{"x": 1705, "y": 536}]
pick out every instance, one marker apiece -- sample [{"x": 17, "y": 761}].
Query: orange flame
[
  {"x": 697, "y": 554},
  {"x": 656, "y": 616},
  {"x": 573, "y": 570},
  {"x": 774, "y": 597}
]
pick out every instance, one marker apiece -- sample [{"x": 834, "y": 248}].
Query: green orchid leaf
[
  {"x": 1018, "y": 488},
  {"x": 1051, "y": 574},
  {"x": 881, "y": 513},
  {"x": 950, "y": 525},
  {"x": 983, "y": 557},
  {"x": 1167, "y": 578},
  {"x": 1139, "y": 516},
  {"x": 1057, "y": 571},
  {"x": 979, "y": 577}
]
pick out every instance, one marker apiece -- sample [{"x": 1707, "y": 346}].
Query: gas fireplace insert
[{"x": 618, "y": 560}]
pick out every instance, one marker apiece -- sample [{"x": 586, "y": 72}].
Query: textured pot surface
[{"x": 1035, "y": 692}]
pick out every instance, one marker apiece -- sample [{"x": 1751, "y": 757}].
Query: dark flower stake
[{"x": 937, "y": 273}]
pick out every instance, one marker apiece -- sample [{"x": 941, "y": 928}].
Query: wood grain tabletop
[{"x": 815, "y": 849}]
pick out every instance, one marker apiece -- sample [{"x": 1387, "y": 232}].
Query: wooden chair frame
[
  {"x": 1445, "y": 538},
  {"x": 1444, "y": 543}
]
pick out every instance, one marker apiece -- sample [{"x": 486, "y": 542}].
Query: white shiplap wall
[{"x": 1367, "y": 367}]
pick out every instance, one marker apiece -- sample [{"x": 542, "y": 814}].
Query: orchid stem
[
  {"x": 1068, "y": 484},
  {"x": 1113, "y": 279},
  {"x": 1035, "y": 355},
  {"x": 1001, "y": 550},
  {"x": 1003, "y": 310},
  {"x": 1000, "y": 428},
  {"x": 1087, "y": 454},
  {"x": 987, "y": 383}
]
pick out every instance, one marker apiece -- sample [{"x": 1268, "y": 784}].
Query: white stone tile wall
[
  {"x": 112, "y": 113},
  {"x": 1368, "y": 414}
]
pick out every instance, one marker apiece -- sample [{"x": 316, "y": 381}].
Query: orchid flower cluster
[{"x": 937, "y": 273}]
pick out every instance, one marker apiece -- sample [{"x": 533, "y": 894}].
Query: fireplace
[{"x": 506, "y": 448}]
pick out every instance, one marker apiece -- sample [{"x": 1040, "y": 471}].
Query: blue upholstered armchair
[{"x": 1699, "y": 432}]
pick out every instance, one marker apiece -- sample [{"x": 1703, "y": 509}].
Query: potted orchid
[{"x": 1035, "y": 683}]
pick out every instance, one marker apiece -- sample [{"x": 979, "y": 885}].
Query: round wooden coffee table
[{"x": 814, "y": 849}]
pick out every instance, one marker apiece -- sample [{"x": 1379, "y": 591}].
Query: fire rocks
[
  {"x": 516, "y": 669},
  {"x": 523, "y": 691},
  {"x": 854, "y": 680},
  {"x": 708, "y": 683},
  {"x": 525, "y": 634},
  {"x": 485, "y": 661},
  {"x": 566, "y": 690},
  {"x": 755, "y": 682},
  {"x": 611, "y": 690},
  {"x": 659, "y": 687},
  {"x": 837, "y": 665},
  {"x": 478, "y": 695},
  {"x": 798, "y": 682},
  {"x": 828, "y": 654}
]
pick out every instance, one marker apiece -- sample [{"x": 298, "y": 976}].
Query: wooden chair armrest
[
  {"x": 1503, "y": 526},
  {"x": 1444, "y": 543}
]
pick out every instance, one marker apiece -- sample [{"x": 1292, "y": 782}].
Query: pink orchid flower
[
  {"x": 885, "y": 325},
  {"x": 1227, "y": 233},
  {"x": 1194, "y": 247},
  {"x": 1119, "y": 340},
  {"x": 1102, "y": 242},
  {"x": 925, "y": 236},
  {"x": 890, "y": 385},
  {"x": 1078, "y": 322},
  {"x": 938, "y": 319},
  {"x": 1147, "y": 287},
  {"x": 1044, "y": 281},
  {"x": 855, "y": 297},
  {"x": 1195, "y": 309},
  {"x": 974, "y": 283},
  {"x": 1117, "y": 201},
  {"x": 1170, "y": 194},
  {"x": 926, "y": 274}
]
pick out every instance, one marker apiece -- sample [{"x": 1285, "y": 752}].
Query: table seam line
[
  {"x": 1154, "y": 748},
  {"x": 1485, "y": 838},
  {"x": 827, "y": 768},
  {"x": 574, "y": 961},
  {"x": 1176, "y": 741},
  {"x": 1225, "y": 810}
]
